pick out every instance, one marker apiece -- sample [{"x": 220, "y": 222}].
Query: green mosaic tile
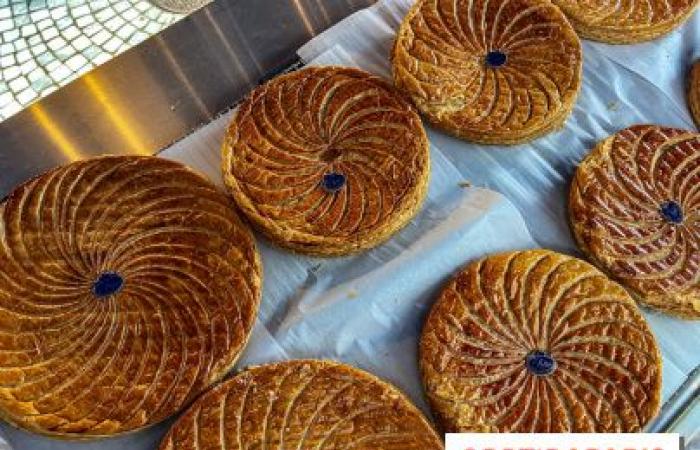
[
  {"x": 5, "y": 99},
  {"x": 46, "y": 43},
  {"x": 37, "y": 49},
  {"x": 18, "y": 84},
  {"x": 28, "y": 30},
  {"x": 26, "y": 96}
]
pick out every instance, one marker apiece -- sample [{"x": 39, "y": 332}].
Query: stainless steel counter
[{"x": 159, "y": 91}]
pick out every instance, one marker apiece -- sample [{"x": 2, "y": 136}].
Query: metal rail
[{"x": 679, "y": 403}]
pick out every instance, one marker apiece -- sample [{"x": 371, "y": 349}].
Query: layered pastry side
[
  {"x": 694, "y": 92},
  {"x": 128, "y": 286}
]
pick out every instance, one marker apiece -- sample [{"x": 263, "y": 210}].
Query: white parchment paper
[{"x": 367, "y": 310}]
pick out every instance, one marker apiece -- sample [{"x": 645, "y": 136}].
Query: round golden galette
[
  {"x": 626, "y": 22},
  {"x": 327, "y": 161},
  {"x": 635, "y": 211},
  {"x": 535, "y": 341},
  {"x": 303, "y": 405},
  {"x": 128, "y": 286},
  {"x": 491, "y": 72}
]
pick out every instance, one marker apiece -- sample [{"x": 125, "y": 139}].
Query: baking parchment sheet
[{"x": 368, "y": 309}]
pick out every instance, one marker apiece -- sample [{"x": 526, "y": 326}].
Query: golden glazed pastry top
[
  {"x": 635, "y": 211},
  {"x": 626, "y": 22},
  {"x": 491, "y": 72},
  {"x": 128, "y": 286},
  {"x": 694, "y": 92},
  {"x": 535, "y": 341},
  {"x": 303, "y": 405},
  {"x": 327, "y": 161}
]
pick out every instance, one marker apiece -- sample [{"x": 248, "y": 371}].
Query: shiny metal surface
[
  {"x": 679, "y": 404},
  {"x": 159, "y": 91}
]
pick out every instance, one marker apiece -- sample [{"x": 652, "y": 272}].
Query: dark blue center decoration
[
  {"x": 672, "y": 212},
  {"x": 108, "y": 283},
  {"x": 540, "y": 363},
  {"x": 333, "y": 181},
  {"x": 496, "y": 58}
]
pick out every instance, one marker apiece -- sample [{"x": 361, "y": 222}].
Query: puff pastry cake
[
  {"x": 694, "y": 92},
  {"x": 128, "y": 286},
  {"x": 535, "y": 341},
  {"x": 489, "y": 72},
  {"x": 327, "y": 161},
  {"x": 303, "y": 405},
  {"x": 626, "y": 22},
  {"x": 635, "y": 211}
]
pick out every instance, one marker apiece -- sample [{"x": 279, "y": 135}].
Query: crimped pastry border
[{"x": 694, "y": 92}]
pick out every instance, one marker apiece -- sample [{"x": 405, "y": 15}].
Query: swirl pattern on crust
[
  {"x": 635, "y": 211},
  {"x": 303, "y": 405},
  {"x": 128, "y": 286},
  {"x": 626, "y": 22},
  {"x": 327, "y": 161},
  {"x": 490, "y": 72},
  {"x": 535, "y": 341},
  {"x": 694, "y": 92}
]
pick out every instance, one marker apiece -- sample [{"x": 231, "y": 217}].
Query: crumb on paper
[
  {"x": 613, "y": 105},
  {"x": 465, "y": 184}
]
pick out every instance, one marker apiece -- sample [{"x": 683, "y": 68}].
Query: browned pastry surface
[
  {"x": 491, "y": 72},
  {"x": 626, "y": 22},
  {"x": 635, "y": 211},
  {"x": 535, "y": 341},
  {"x": 83, "y": 354},
  {"x": 292, "y": 133},
  {"x": 303, "y": 405},
  {"x": 694, "y": 92}
]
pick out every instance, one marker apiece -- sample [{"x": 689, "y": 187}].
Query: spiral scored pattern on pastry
[
  {"x": 327, "y": 161},
  {"x": 694, "y": 92},
  {"x": 535, "y": 341},
  {"x": 635, "y": 211},
  {"x": 303, "y": 405},
  {"x": 626, "y": 22},
  {"x": 128, "y": 286},
  {"x": 492, "y": 72}
]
